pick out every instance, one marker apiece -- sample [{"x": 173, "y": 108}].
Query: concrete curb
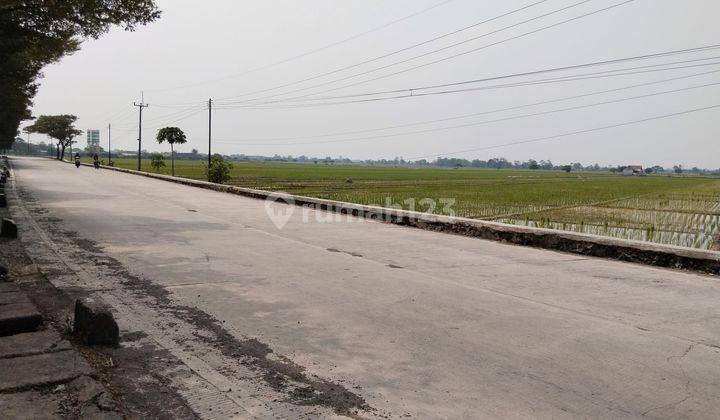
[{"x": 577, "y": 243}]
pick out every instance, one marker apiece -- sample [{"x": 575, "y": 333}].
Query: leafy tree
[
  {"x": 157, "y": 161},
  {"x": 58, "y": 127},
  {"x": 532, "y": 164},
  {"x": 34, "y": 33},
  {"x": 219, "y": 170},
  {"x": 678, "y": 169},
  {"x": 172, "y": 135},
  {"x": 566, "y": 168}
]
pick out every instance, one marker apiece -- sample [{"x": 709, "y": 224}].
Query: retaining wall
[{"x": 577, "y": 243}]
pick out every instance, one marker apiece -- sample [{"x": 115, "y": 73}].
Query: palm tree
[{"x": 172, "y": 135}]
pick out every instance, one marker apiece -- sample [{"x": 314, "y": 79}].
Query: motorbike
[
  {"x": 77, "y": 163},
  {"x": 96, "y": 164}
]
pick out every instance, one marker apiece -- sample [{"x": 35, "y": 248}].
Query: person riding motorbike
[
  {"x": 96, "y": 161},
  {"x": 77, "y": 160}
]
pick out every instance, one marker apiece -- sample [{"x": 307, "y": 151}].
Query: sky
[{"x": 279, "y": 74}]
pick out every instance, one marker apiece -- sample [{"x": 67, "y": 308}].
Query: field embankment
[{"x": 672, "y": 210}]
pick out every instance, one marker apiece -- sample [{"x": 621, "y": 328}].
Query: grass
[{"x": 666, "y": 209}]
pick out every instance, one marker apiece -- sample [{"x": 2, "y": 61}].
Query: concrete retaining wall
[{"x": 598, "y": 246}]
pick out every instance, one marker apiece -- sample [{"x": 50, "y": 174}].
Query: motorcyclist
[
  {"x": 77, "y": 160},
  {"x": 96, "y": 160}
]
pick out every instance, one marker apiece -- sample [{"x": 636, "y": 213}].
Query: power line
[
  {"x": 476, "y": 114},
  {"x": 573, "y": 133},
  {"x": 522, "y": 74},
  {"x": 459, "y": 54},
  {"x": 585, "y": 76},
  {"x": 394, "y": 52},
  {"x": 491, "y": 121},
  {"x": 314, "y": 51},
  {"x": 450, "y": 57},
  {"x": 184, "y": 105},
  {"x": 165, "y": 116}
]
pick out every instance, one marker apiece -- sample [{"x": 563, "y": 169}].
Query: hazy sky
[{"x": 200, "y": 50}]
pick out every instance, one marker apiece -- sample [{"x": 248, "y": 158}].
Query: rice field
[{"x": 675, "y": 210}]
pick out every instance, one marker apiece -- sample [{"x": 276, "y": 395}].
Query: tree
[
  {"x": 566, "y": 168},
  {"x": 172, "y": 135},
  {"x": 58, "y": 127},
  {"x": 532, "y": 164},
  {"x": 678, "y": 169},
  {"x": 34, "y": 33},
  {"x": 157, "y": 161},
  {"x": 219, "y": 170}
]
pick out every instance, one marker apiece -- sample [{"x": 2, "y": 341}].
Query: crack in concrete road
[{"x": 688, "y": 391}]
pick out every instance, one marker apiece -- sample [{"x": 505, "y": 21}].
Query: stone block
[
  {"x": 28, "y": 344},
  {"x": 94, "y": 323},
  {"x": 42, "y": 369},
  {"x": 18, "y": 318},
  {"x": 9, "y": 298},
  {"x": 8, "y": 229}
]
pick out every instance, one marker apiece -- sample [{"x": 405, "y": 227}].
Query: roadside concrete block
[
  {"x": 8, "y": 229},
  {"x": 8, "y": 287},
  {"x": 18, "y": 318},
  {"x": 41, "y": 369},
  {"x": 30, "y": 405},
  {"x": 28, "y": 344},
  {"x": 3, "y": 274},
  {"x": 94, "y": 323},
  {"x": 10, "y": 298},
  {"x": 3, "y": 201}
]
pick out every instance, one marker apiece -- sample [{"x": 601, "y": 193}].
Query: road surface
[{"x": 404, "y": 322}]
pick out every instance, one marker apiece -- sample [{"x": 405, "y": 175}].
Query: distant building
[
  {"x": 93, "y": 140},
  {"x": 633, "y": 170}
]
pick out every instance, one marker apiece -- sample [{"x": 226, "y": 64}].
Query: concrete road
[{"x": 416, "y": 323}]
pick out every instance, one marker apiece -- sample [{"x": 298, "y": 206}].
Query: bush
[
  {"x": 219, "y": 171},
  {"x": 157, "y": 161}
]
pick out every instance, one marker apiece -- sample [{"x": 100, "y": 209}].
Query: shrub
[
  {"x": 219, "y": 170},
  {"x": 157, "y": 161}
]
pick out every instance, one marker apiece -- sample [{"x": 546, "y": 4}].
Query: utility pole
[
  {"x": 140, "y": 105},
  {"x": 28, "y": 144},
  {"x": 209, "y": 132},
  {"x": 109, "y": 147}
]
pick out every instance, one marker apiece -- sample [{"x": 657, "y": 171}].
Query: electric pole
[
  {"x": 28, "y": 144},
  {"x": 140, "y": 105},
  {"x": 209, "y": 132},
  {"x": 109, "y": 147}
]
